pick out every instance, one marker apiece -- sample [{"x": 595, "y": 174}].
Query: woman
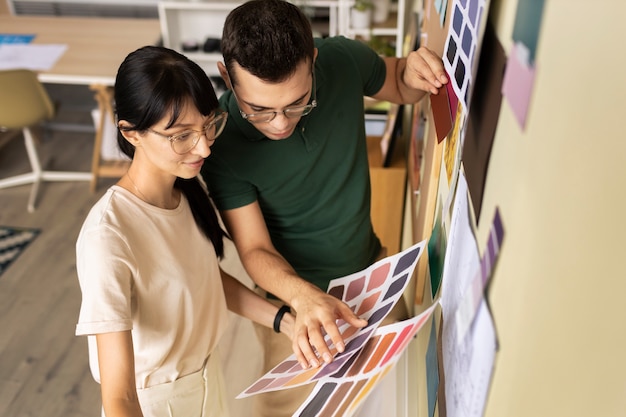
[{"x": 154, "y": 299}]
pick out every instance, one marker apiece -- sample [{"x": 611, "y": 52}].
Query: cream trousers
[{"x": 201, "y": 394}]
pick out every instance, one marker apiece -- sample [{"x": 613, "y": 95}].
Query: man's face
[{"x": 256, "y": 96}]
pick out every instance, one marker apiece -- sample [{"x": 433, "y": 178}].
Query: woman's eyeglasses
[{"x": 185, "y": 141}]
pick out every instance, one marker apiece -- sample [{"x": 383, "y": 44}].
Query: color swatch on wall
[
  {"x": 432, "y": 369},
  {"x": 518, "y": 83},
  {"x": 468, "y": 337},
  {"x": 371, "y": 294},
  {"x": 462, "y": 44},
  {"x": 474, "y": 294},
  {"x": 442, "y": 114},
  {"x": 341, "y": 394},
  {"x": 483, "y": 118}
]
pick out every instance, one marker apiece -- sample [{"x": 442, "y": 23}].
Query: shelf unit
[
  {"x": 195, "y": 22},
  {"x": 394, "y": 27}
]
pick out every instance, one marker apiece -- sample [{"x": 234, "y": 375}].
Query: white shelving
[
  {"x": 195, "y": 22},
  {"x": 394, "y": 26}
]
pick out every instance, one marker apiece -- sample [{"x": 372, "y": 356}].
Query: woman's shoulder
[{"x": 115, "y": 205}]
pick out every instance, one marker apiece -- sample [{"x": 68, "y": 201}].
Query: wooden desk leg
[{"x": 104, "y": 98}]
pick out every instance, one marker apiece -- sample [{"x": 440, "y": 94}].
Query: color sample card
[
  {"x": 519, "y": 79},
  {"x": 436, "y": 253},
  {"x": 466, "y": 312},
  {"x": 527, "y": 24},
  {"x": 340, "y": 394},
  {"x": 440, "y": 105},
  {"x": 432, "y": 369},
  {"x": 483, "y": 118},
  {"x": 452, "y": 99},
  {"x": 461, "y": 45},
  {"x": 441, "y": 6},
  {"x": 371, "y": 294},
  {"x": 467, "y": 362}
]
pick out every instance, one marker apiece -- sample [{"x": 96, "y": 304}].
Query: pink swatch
[{"x": 517, "y": 86}]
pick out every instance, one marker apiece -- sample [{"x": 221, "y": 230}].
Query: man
[{"x": 290, "y": 173}]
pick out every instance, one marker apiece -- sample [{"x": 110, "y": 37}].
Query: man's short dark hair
[{"x": 267, "y": 38}]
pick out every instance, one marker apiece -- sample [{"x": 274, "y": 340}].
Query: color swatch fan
[{"x": 371, "y": 294}]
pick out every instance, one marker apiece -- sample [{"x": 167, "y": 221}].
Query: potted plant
[
  {"x": 380, "y": 11},
  {"x": 361, "y": 14}
]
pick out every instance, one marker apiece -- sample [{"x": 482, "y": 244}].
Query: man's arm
[
  {"x": 411, "y": 78},
  {"x": 314, "y": 308}
]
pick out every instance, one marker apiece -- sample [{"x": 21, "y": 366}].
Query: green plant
[
  {"x": 381, "y": 46},
  {"x": 363, "y": 5}
]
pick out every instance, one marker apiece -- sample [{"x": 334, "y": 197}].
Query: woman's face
[{"x": 179, "y": 150}]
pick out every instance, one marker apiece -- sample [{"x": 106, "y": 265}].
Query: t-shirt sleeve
[
  {"x": 104, "y": 267},
  {"x": 226, "y": 188}
]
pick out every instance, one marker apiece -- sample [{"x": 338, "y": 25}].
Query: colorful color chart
[
  {"x": 371, "y": 294},
  {"x": 462, "y": 44},
  {"x": 340, "y": 394}
]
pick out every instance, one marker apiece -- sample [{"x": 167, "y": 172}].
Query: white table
[{"x": 95, "y": 49}]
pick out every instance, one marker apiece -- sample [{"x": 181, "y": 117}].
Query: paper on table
[{"x": 34, "y": 57}]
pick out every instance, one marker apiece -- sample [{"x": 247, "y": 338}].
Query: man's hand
[
  {"x": 424, "y": 71},
  {"x": 316, "y": 315}
]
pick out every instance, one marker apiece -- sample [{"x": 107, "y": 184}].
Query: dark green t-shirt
[{"x": 312, "y": 187}]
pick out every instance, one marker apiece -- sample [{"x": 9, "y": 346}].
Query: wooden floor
[{"x": 44, "y": 369}]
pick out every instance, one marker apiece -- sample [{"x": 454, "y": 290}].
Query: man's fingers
[
  {"x": 323, "y": 352},
  {"x": 304, "y": 363},
  {"x": 309, "y": 358},
  {"x": 428, "y": 69},
  {"x": 346, "y": 314}
]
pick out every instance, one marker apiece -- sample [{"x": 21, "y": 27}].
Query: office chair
[{"x": 24, "y": 103}]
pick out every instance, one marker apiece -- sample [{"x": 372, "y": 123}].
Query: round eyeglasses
[
  {"x": 185, "y": 141},
  {"x": 291, "y": 112}
]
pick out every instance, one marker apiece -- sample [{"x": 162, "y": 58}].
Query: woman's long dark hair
[{"x": 152, "y": 83}]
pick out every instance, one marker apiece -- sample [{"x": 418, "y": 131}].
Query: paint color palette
[
  {"x": 462, "y": 44},
  {"x": 341, "y": 394},
  {"x": 371, "y": 294}
]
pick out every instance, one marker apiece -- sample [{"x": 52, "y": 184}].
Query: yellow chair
[{"x": 24, "y": 103}]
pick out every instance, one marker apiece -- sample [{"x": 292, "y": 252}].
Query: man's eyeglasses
[
  {"x": 291, "y": 112},
  {"x": 185, "y": 141}
]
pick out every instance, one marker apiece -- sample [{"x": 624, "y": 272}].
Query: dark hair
[
  {"x": 267, "y": 38},
  {"x": 152, "y": 83}
]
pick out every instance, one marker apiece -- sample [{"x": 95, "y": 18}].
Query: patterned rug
[{"x": 13, "y": 240}]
